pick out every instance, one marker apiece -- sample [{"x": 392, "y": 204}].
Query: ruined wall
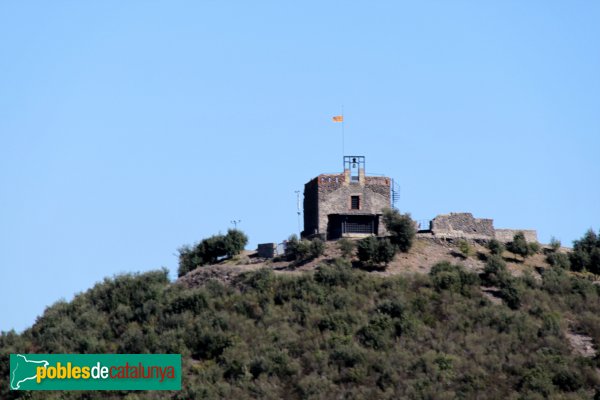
[
  {"x": 506, "y": 235},
  {"x": 462, "y": 225}
]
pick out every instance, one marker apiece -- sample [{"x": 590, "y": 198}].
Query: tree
[
  {"x": 401, "y": 228},
  {"x": 235, "y": 241},
  {"x": 211, "y": 250},
  {"x": 586, "y": 253},
  {"x": 519, "y": 245}
]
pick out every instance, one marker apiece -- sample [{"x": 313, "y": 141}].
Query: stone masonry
[
  {"x": 350, "y": 204},
  {"x": 328, "y": 196},
  {"x": 506, "y": 235},
  {"x": 465, "y": 226}
]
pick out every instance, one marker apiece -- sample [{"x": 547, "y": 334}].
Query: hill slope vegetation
[{"x": 335, "y": 332}]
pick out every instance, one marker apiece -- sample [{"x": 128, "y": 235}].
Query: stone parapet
[{"x": 506, "y": 235}]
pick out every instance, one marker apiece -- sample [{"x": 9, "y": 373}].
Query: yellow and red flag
[{"x": 338, "y": 118}]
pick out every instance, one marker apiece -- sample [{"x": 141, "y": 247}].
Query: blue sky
[{"x": 128, "y": 129}]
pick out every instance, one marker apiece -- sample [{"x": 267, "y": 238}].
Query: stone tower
[{"x": 349, "y": 204}]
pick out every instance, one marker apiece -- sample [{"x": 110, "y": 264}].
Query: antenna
[
  {"x": 235, "y": 222},
  {"x": 298, "y": 210}
]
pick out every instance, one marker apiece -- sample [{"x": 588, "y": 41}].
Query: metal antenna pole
[
  {"x": 298, "y": 210},
  {"x": 235, "y": 222}
]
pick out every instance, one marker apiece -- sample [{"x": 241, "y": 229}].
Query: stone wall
[
  {"x": 465, "y": 226},
  {"x": 311, "y": 207},
  {"x": 506, "y": 235},
  {"x": 266, "y": 250},
  {"x": 330, "y": 194},
  {"x": 374, "y": 197},
  {"x": 462, "y": 225}
]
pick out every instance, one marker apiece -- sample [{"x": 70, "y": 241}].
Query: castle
[{"x": 351, "y": 204}]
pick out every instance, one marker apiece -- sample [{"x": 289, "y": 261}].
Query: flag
[{"x": 338, "y": 118}]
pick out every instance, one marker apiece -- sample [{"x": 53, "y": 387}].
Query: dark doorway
[{"x": 341, "y": 224}]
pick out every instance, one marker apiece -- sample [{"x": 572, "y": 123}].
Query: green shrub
[
  {"x": 346, "y": 355},
  {"x": 446, "y": 276},
  {"x": 346, "y": 246},
  {"x": 377, "y": 333},
  {"x": 550, "y": 325},
  {"x": 567, "y": 380},
  {"x": 401, "y": 228},
  {"x": 367, "y": 249},
  {"x": 291, "y": 247},
  {"x": 495, "y": 247},
  {"x": 519, "y": 245},
  {"x": 335, "y": 275},
  {"x": 317, "y": 248},
  {"x": 303, "y": 250},
  {"x": 555, "y": 244},
  {"x": 512, "y": 293},
  {"x": 262, "y": 280},
  {"x": 206, "y": 343},
  {"x": 393, "y": 308},
  {"x": 465, "y": 248},
  {"x": 193, "y": 300},
  {"x": 495, "y": 272},
  {"x": 560, "y": 260},
  {"x": 375, "y": 251},
  {"x": 556, "y": 281},
  {"x": 537, "y": 380},
  {"x": 534, "y": 247}
]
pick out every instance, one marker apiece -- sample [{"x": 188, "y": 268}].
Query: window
[{"x": 355, "y": 202}]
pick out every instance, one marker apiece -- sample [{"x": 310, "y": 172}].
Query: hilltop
[
  {"x": 423, "y": 255},
  {"x": 436, "y": 322}
]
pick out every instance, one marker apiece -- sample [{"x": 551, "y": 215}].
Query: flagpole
[{"x": 343, "y": 135}]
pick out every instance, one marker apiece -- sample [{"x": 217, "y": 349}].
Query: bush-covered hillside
[{"x": 336, "y": 332}]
